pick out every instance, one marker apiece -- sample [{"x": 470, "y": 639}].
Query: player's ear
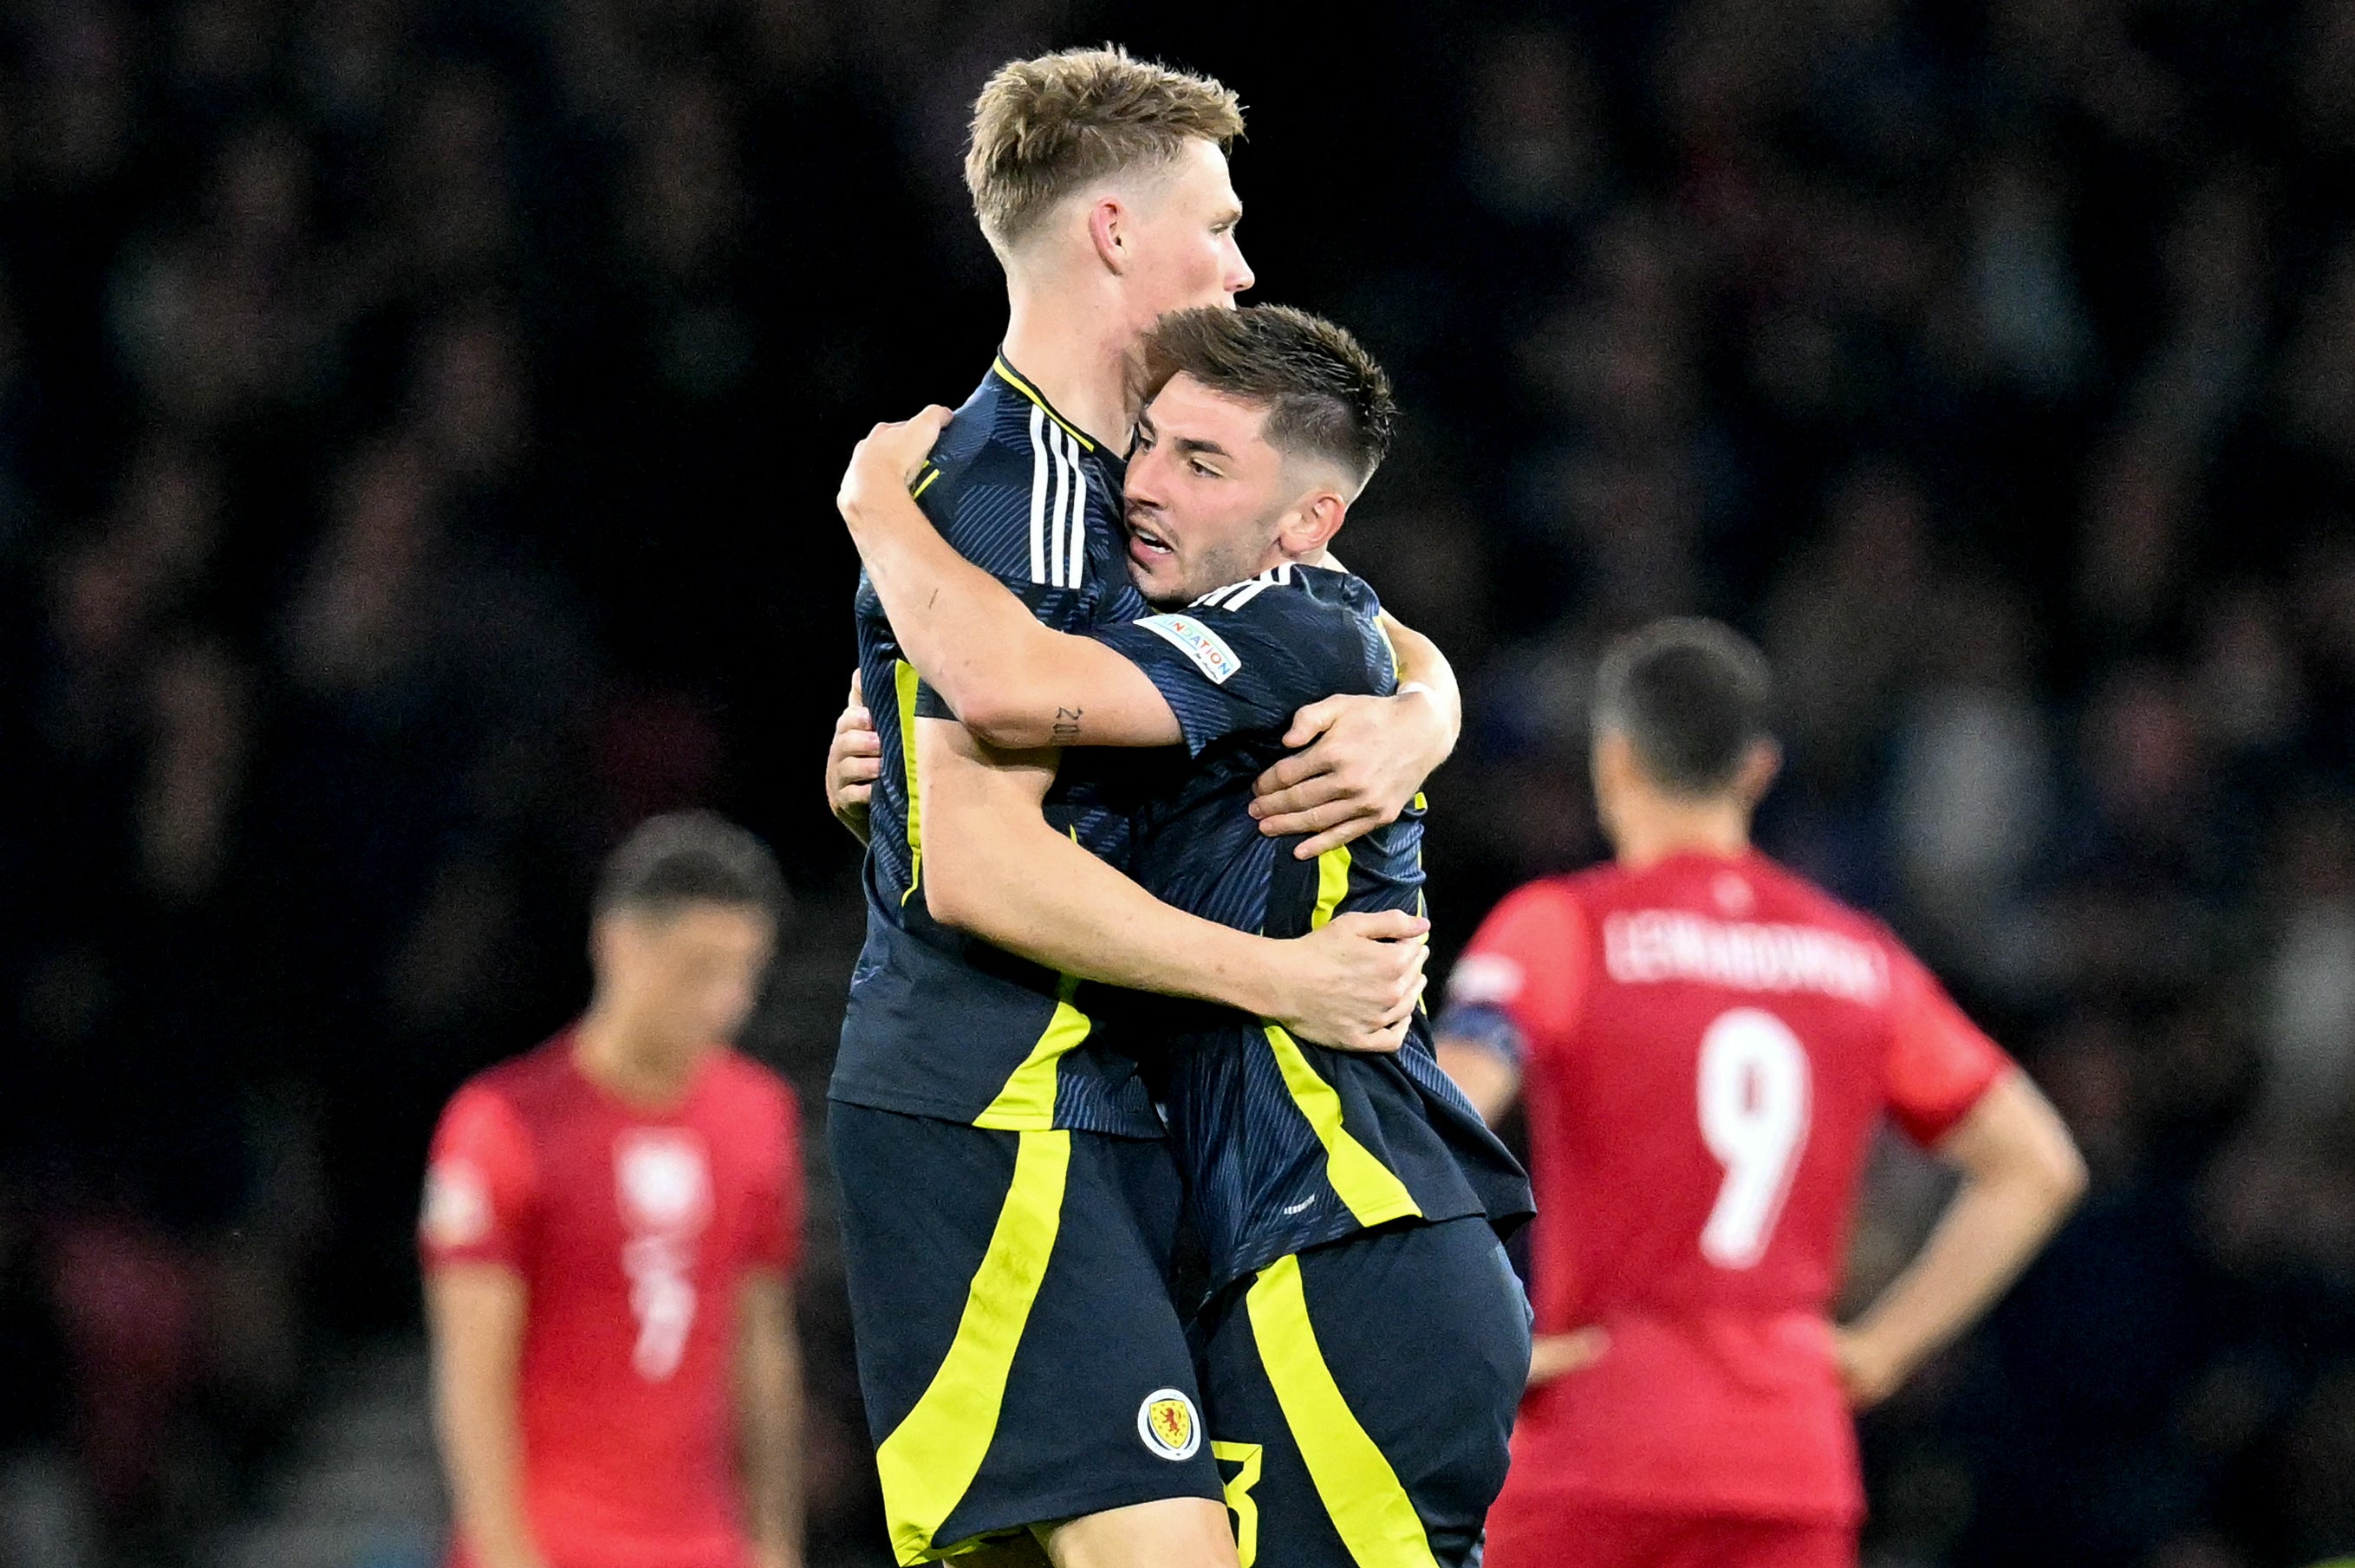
[
  {"x": 1310, "y": 526},
  {"x": 1108, "y": 232},
  {"x": 1760, "y": 766}
]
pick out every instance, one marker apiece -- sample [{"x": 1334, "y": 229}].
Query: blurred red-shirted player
[
  {"x": 610, "y": 1229},
  {"x": 1707, "y": 1043}
]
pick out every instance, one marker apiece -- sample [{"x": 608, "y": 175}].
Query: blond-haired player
[{"x": 1008, "y": 1206}]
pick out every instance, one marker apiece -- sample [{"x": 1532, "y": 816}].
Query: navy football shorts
[
  {"x": 1362, "y": 1397},
  {"x": 1021, "y": 1360}
]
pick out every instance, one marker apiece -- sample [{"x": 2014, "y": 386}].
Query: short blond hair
[{"x": 1044, "y": 128}]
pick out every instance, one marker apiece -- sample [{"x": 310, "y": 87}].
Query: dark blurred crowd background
[{"x": 418, "y": 422}]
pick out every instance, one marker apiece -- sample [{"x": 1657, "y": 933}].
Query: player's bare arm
[
  {"x": 1355, "y": 774},
  {"x": 768, "y": 1416},
  {"x": 1016, "y": 682},
  {"x": 992, "y": 866},
  {"x": 1489, "y": 1079},
  {"x": 2021, "y": 1174},
  {"x": 475, "y": 1312}
]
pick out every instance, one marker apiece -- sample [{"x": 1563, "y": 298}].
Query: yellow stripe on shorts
[
  {"x": 930, "y": 1460},
  {"x": 1362, "y": 1494},
  {"x": 1370, "y": 1190}
]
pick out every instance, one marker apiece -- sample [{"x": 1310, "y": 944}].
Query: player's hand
[
  {"x": 1355, "y": 984},
  {"x": 885, "y": 464},
  {"x": 1554, "y": 1355},
  {"x": 853, "y": 762},
  {"x": 1366, "y": 758},
  {"x": 1867, "y": 1372}
]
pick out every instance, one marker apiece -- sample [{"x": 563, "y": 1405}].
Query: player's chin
[{"x": 1155, "y": 571}]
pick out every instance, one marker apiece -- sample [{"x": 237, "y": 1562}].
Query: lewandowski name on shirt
[{"x": 1647, "y": 946}]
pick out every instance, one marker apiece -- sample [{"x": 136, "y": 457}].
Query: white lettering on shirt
[{"x": 1653, "y": 946}]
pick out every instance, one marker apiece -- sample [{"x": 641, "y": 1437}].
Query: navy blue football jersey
[
  {"x": 940, "y": 1023},
  {"x": 1285, "y": 1144}
]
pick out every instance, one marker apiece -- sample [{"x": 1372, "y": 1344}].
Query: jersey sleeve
[
  {"x": 774, "y": 1240},
  {"x": 1028, "y": 534},
  {"x": 1246, "y": 671},
  {"x": 479, "y": 1184},
  {"x": 1520, "y": 984},
  {"x": 1939, "y": 1063}
]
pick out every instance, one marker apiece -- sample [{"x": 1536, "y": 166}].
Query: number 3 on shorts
[
  {"x": 1755, "y": 1089},
  {"x": 1245, "y": 1457}
]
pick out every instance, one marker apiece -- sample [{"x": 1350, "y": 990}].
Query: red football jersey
[
  {"x": 1708, "y": 1046},
  {"x": 632, "y": 1230}
]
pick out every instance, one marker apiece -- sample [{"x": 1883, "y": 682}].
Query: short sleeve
[
  {"x": 478, "y": 1183},
  {"x": 773, "y": 1239},
  {"x": 1235, "y": 673},
  {"x": 1939, "y": 1063},
  {"x": 1047, "y": 555},
  {"x": 1036, "y": 521},
  {"x": 1522, "y": 981}
]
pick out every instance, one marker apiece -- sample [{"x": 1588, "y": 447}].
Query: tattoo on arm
[{"x": 1067, "y": 725}]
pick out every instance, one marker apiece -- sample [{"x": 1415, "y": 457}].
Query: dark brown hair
[
  {"x": 1691, "y": 695},
  {"x": 1325, "y": 395},
  {"x": 689, "y": 857},
  {"x": 1044, "y": 128}
]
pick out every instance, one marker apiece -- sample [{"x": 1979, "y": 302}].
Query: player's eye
[{"x": 1204, "y": 469}]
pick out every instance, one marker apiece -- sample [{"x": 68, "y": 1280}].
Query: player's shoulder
[
  {"x": 1550, "y": 908},
  {"x": 1579, "y": 891},
  {"x": 741, "y": 1075},
  {"x": 1788, "y": 897},
  {"x": 1329, "y": 620},
  {"x": 753, "y": 1096},
  {"x": 997, "y": 440},
  {"x": 525, "y": 1087},
  {"x": 1295, "y": 591}
]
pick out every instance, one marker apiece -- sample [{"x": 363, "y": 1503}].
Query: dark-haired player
[
  {"x": 1007, "y": 1204},
  {"x": 1706, "y": 1044},
  {"x": 610, "y": 1229},
  {"x": 1365, "y": 1342}
]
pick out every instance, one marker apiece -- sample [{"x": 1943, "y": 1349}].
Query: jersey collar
[{"x": 1003, "y": 368}]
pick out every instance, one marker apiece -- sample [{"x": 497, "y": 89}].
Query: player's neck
[
  {"x": 1072, "y": 345},
  {"x": 1660, "y": 830},
  {"x": 625, "y": 1063}
]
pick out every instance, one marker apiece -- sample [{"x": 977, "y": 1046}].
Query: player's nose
[{"x": 1239, "y": 272}]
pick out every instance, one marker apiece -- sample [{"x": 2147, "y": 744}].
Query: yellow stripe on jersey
[
  {"x": 930, "y": 1460},
  {"x": 903, "y": 677},
  {"x": 1362, "y": 1494},
  {"x": 1006, "y": 372},
  {"x": 1370, "y": 1190},
  {"x": 1026, "y": 1102},
  {"x": 923, "y": 484},
  {"x": 1332, "y": 886}
]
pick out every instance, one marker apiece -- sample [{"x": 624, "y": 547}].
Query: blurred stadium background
[{"x": 417, "y": 429}]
